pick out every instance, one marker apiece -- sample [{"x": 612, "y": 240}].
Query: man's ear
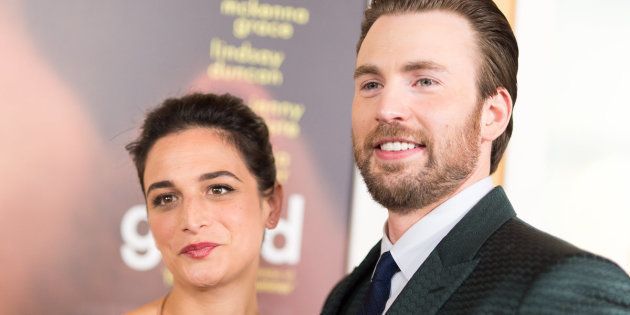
[
  {"x": 272, "y": 206},
  {"x": 495, "y": 115}
]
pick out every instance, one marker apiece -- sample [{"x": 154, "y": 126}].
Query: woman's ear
[
  {"x": 273, "y": 205},
  {"x": 495, "y": 115}
]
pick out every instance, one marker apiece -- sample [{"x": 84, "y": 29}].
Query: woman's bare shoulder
[{"x": 151, "y": 308}]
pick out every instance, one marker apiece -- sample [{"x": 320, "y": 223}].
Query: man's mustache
[{"x": 396, "y": 130}]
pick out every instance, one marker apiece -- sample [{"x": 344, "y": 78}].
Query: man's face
[{"x": 415, "y": 112}]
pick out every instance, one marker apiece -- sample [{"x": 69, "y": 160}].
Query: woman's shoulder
[{"x": 151, "y": 308}]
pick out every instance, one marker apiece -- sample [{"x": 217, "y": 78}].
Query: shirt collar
[{"x": 420, "y": 239}]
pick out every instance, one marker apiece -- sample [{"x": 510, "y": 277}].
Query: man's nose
[
  {"x": 194, "y": 216},
  {"x": 392, "y": 106}
]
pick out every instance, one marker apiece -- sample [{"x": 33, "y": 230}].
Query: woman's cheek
[{"x": 162, "y": 227}]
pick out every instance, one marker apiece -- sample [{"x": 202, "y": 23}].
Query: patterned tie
[{"x": 378, "y": 293}]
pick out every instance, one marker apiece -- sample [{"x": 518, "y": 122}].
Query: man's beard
[{"x": 446, "y": 168}]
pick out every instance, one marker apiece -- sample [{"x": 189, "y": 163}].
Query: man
[{"x": 435, "y": 83}]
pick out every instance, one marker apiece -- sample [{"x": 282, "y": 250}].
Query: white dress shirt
[{"x": 413, "y": 248}]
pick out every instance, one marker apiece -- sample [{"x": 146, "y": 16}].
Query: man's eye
[
  {"x": 219, "y": 189},
  {"x": 163, "y": 200},
  {"x": 425, "y": 82},
  {"x": 370, "y": 85}
]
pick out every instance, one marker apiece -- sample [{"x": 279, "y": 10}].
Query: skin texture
[
  {"x": 415, "y": 82},
  {"x": 226, "y": 210}
]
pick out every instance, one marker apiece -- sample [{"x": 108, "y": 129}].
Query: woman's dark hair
[{"x": 228, "y": 114}]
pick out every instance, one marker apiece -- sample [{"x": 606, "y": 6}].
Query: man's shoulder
[
  {"x": 524, "y": 269},
  {"x": 520, "y": 248},
  {"x": 579, "y": 284},
  {"x": 521, "y": 242},
  {"x": 340, "y": 296},
  {"x": 342, "y": 299}
]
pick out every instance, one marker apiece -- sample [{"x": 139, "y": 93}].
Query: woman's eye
[
  {"x": 219, "y": 189},
  {"x": 370, "y": 85},
  {"x": 163, "y": 200}
]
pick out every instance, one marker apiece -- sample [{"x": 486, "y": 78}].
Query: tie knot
[{"x": 386, "y": 268}]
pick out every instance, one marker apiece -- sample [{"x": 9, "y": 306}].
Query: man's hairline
[{"x": 479, "y": 55}]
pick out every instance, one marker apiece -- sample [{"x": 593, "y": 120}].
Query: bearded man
[{"x": 435, "y": 84}]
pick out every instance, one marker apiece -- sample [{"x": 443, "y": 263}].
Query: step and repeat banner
[{"x": 76, "y": 79}]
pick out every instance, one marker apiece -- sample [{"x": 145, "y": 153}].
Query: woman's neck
[{"x": 234, "y": 298}]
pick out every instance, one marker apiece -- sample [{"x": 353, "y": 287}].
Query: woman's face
[{"x": 204, "y": 208}]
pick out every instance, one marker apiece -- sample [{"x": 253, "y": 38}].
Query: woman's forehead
[{"x": 193, "y": 152}]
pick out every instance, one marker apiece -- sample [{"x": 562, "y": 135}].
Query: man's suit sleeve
[{"x": 580, "y": 284}]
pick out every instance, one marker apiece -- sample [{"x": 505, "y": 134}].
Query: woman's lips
[{"x": 198, "y": 250}]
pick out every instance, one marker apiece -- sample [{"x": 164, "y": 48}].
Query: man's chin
[
  {"x": 403, "y": 193},
  {"x": 389, "y": 168}
]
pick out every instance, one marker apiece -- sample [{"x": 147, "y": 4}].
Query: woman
[{"x": 208, "y": 175}]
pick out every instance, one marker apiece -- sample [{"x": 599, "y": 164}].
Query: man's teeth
[{"x": 397, "y": 146}]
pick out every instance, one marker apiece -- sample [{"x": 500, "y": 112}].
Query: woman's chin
[{"x": 203, "y": 279}]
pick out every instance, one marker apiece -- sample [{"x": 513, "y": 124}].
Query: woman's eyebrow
[
  {"x": 160, "y": 184},
  {"x": 216, "y": 174}
]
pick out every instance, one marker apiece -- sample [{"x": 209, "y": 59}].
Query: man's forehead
[
  {"x": 420, "y": 21},
  {"x": 432, "y": 36}
]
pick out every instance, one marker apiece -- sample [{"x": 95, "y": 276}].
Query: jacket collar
[{"x": 454, "y": 258}]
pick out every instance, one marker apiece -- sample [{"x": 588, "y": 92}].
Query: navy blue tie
[{"x": 378, "y": 293}]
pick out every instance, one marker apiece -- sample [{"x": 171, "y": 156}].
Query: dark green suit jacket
[{"x": 494, "y": 263}]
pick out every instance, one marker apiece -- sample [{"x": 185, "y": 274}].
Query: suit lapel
[
  {"x": 453, "y": 259},
  {"x": 430, "y": 286}
]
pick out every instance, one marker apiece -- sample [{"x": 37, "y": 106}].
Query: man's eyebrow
[
  {"x": 216, "y": 174},
  {"x": 161, "y": 184},
  {"x": 423, "y": 65},
  {"x": 366, "y": 69}
]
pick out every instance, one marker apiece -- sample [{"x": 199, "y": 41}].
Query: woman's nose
[{"x": 194, "y": 216}]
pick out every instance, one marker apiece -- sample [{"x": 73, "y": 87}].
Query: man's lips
[
  {"x": 393, "y": 149},
  {"x": 397, "y": 144},
  {"x": 198, "y": 250}
]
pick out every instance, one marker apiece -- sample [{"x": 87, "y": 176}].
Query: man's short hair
[{"x": 495, "y": 39}]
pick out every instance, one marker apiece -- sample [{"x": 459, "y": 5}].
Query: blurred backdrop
[{"x": 77, "y": 77}]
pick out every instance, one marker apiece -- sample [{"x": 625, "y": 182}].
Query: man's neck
[{"x": 398, "y": 223}]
